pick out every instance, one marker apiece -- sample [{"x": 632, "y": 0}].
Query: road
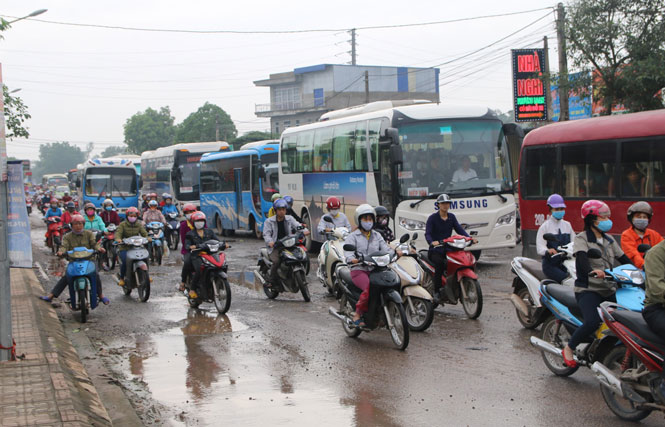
[{"x": 275, "y": 362}]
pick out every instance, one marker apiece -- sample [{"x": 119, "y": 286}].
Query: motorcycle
[
  {"x": 460, "y": 275},
  {"x": 417, "y": 301},
  {"x": 330, "y": 255},
  {"x": 529, "y": 274},
  {"x": 214, "y": 285},
  {"x": 567, "y": 317},
  {"x": 136, "y": 276},
  {"x": 28, "y": 205},
  {"x": 53, "y": 236},
  {"x": 108, "y": 259},
  {"x": 630, "y": 374},
  {"x": 172, "y": 230},
  {"x": 156, "y": 232},
  {"x": 385, "y": 306},
  {"x": 81, "y": 276},
  {"x": 291, "y": 274}
]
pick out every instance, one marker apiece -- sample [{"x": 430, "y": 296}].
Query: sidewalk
[{"x": 50, "y": 385}]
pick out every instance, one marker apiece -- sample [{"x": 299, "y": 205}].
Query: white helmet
[
  {"x": 443, "y": 198},
  {"x": 364, "y": 209},
  {"x": 107, "y": 201}
]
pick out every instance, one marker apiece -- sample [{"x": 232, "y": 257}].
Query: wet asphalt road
[{"x": 285, "y": 361}]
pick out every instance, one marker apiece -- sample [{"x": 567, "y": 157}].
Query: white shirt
[
  {"x": 462, "y": 175},
  {"x": 552, "y": 225}
]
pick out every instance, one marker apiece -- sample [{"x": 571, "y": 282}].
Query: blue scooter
[
  {"x": 81, "y": 276},
  {"x": 156, "y": 232},
  {"x": 567, "y": 317}
]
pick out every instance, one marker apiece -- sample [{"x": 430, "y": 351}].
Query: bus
[
  {"x": 618, "y": 159},
  {"x": 403, "y": 155},
  {"x": 112, "y": 178},
  {"x": 175, "y": 170},
  {"x": 236, "y": 187},
  {"x": 72, "y": 177},
  {"x": 52, "y": 180}
]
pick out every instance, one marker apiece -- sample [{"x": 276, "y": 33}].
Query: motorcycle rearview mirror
[
  {"x": 643, "y": 248},
  {"x": 349, "y": 247},
  {"x": 404, "y": 238},
  {"x": 326, "y": 218},
  {"x": 550, "y": 237},
  {"x": 594, "y": 254},
  {"x": 415, "y": 236}
]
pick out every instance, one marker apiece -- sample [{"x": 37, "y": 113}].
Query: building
[{"x": 301, "y": 96}]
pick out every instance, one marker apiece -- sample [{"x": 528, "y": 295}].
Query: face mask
[
  {"x": 54, "y": 206},
  {"x": 383, "y": 222},
  {"x": 188, "y": 216},
  {"x": 334, "y": 212},
  {"x": 131, "y": 219},
  {"x": 199, "y": 224},
  {"x": 558, "y": 214},
  {"x": 108, "y": 208},
  {"x": 77, "y": 232},
  {"x": 641, "y": 223},
  {"x": 367, "y": 225},
  {"x": 90, "y": 212},
  {"x": 605, "y": 225}
]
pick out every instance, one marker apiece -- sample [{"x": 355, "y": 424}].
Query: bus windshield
[
  {"x": 187, "y": 177},
  {"x": 57, "y": 181},
  {"x": 455, "y": 157},
  {"x": 271, "y": 181},
  {"x": 113, "y": 182}
]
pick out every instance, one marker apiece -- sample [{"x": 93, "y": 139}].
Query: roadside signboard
[
  {"x": 3, "y": 140},
  {"x": 529, "y": 101},
  {"x": 18, "y": 224}
]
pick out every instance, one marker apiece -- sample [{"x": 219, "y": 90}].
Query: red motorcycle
[
  {"x": 53, "y": 233},
  {"x": 214, "y": 286},
  {"x": 460, "y": 276},
  {"x": 630, "y": 374}
]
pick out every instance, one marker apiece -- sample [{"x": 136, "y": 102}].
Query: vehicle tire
[
  {"x": 473, "y": 303},
  {"x": 83, "y": 305},
  {"x": 476, "y": 254},
  {"x": 218, "y": 223},
  {"x": 558, "y": 339},
  {"x": 254, "y": 226},
  {"x": 310, "y": 244},
  {"x": 143, "y": 285},
  {"x": 176, "y": 240},
  {"x": 351, "y": 331},
  {"x": 222, "y": 293},
  {"x": 422, "y": 318},
  {"x": 622, "y": 407},
  {"x": 270, "y": 293},
  {"x": 158, "y": 255},
  {"x": 308, "y": 265},
  {"x": 302, "y": 284},
  {"x": 114, "y": 256},
  {"x": 400, "y": 330},
  {"x": 535, "y": 313}
]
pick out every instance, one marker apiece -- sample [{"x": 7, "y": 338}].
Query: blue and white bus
[
  {"x": 236, "y": 187},
  {"x": 112, "y": 178}
]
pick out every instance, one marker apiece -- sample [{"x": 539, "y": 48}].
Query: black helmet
[
  {"x": 381, "y": 210},
  {"x": 70, "y": 205}
]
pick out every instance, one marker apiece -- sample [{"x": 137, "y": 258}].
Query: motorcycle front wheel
[
  {"x": 558, "y": 336},
  {"x": 83, "y": 305},
  {"x": 158, "y": 255},
  {"x": 143, "y": 285},
  {"x": 472, "y": 298},
  {"x": 222, "y": 291},
  {"x": 270, "y": 292},
  {"x": 622, "y": 407},
  {"x": 302, "y": 284},
  {"x": 420, "y": 317},
  {"x": 399, "y": 332},
  {"x": 113, "y": 257}
]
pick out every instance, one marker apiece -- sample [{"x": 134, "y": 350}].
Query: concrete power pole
[
  {"x": 548, "y": 90},
  {"x": 366, "y": 87},
  {"x": 353, "y": 46},
  {"x": 564, "y": 87}
]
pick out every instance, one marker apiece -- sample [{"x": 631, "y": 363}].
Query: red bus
[{"x": 618, "y": 159}]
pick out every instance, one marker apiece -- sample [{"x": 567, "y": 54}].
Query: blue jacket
[
  {"x": 169, "y": 208},
  {"x": 51, "y": 212},
  {"x": 437, "y": 229}
]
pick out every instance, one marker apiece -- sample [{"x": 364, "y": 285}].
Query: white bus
[
  {"x": 112, "y": 178},
  {"x": 403, "y": 157},
  {"x": 175, "y": 170}
]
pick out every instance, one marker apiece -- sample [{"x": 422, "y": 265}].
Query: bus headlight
[
  {"x": 411, "y": 224},
  {"x": 506, "y": 219}
]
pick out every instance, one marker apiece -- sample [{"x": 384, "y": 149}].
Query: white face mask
[
  {"x": 188, "y": 216},
  {"x": 334, "y": 212},
  {"x": 367, "y": 225},
  {"x": 199, "y": 224}
]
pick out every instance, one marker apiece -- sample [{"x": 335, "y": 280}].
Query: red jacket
[
  {"x": 67, "y": 217},
  {"x": 630, "y": 241},
  {"x": 110, "y": 217}
]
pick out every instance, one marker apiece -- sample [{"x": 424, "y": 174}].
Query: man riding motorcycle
[
  {"x": 339, "y": 219},
  {"x": 194, "y": 238},
  {"x": 289, "y": 209},
  {"x": 185, "y": 227},
  {"x": 131, "y": 226}
]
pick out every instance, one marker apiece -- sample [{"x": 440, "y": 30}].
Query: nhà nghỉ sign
[{"x": 528, "y": 92}]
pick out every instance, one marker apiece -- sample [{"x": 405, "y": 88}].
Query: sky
[{"x": 82, "y": 83}]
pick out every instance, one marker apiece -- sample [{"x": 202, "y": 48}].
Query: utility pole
[
  {"x": 548, "y": 90},
  {"x": 353, "y": 46},
  {"x": 564, "y": 87},
  {"x": 5, "y": 289},
  {"x": 216, "y": 128},
  {"x": 366, "y": 87}
]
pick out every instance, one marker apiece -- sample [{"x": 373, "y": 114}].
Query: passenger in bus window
[
  {"x": 555, "y": 224},
  {"x": 632, "y": 182},
  {"x": 639, "y": 217},
  {"x": 464, "y": 172},
  {"x": 659, "y": 184}
]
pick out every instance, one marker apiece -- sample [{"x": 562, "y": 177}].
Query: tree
[
  {"x": 149, "y": 130},
  {"x": 250, "y": 137},
  {"x": 16, "y": 113},
  {"x": 623, "y": 41},
  {"x": 204, "y": 124},
  {"x": 113, "y": 151},
  {"x": 58, "y": 157}
]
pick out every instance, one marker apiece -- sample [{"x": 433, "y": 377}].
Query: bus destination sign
[{"x": 529, "y": 100}]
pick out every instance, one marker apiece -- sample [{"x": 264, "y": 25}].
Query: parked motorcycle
[
  {"x": 81, "y": 276},
  {"x": 53, "y": 236},
  {"x": 291, "y": 274},
  {"x": 330, "y": 255},
  {"x": 385, "y": 306},
  {"x": 172, "y": 230},
  {"x": 460, "y": 275},
  {"x": 137, "y": 276},
  {"x": 214, "y": 285},
  {"x": 156, "y": 232},
  {"x": 110, "y": 257}
]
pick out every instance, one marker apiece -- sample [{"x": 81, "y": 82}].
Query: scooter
[
  {"x": 28, "y": 205},
  {"x": 460, "y": 275},
  {"x": 81, "y": 277},
  {"x": 53, "y": 236},
  {"x": 136, "y": 276},
  {"x": 108, "y": 259},
  {"x": 567, "y": 317},
  {"x": 385, "y": 306},
  {"x": 330, "y": 255},
  {"x": 529, "y": 274},
  {"x": 630, "y": 374},
  {"x": 172, "y": 230},
  {"x": 214, "y": 285},
  {"x": 156, "y": 232},
  {"x": 291, "y": 273},
  {"x": 417, "y": 301}
]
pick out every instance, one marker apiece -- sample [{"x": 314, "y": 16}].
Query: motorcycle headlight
[
  {"x": 289, "y": 242},
  {"x": 411, "y": 224},
  {"x": 213, "y": 248},
  {"x": 382, "y": 260},
  {"x": 637, "y": 277},
  {"x": 506, "y": 219},
  {"x": 458, "y": 243}
]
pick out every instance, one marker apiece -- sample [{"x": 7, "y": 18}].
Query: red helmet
[
  {"x": 54, "y": 201},
  {"x": 595, "y": 207},
  {"x": 152, "y": 195},
  {"x": 189, "y": 207},
  {"x": 198, "y": 216},
  {"x": 77, "y": 218},
  {"x": 132, "y": 210},
  {"x": 333, "y": 203}
]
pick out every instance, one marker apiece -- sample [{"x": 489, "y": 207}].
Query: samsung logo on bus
[{"x": 468, "y": 204}]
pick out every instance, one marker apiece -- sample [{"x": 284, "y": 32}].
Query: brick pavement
[{"x": 50, "y": 385}]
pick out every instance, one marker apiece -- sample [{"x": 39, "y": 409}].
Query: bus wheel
[
  {"x": 253, "y": 225},
  {"x": 220, "y": 229}
]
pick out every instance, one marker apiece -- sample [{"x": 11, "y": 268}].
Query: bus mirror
[
  {"x": 140, "y": 181},
  {"x": 393, "y": 135},
  {"x": 262, "y": 172},
  {"x": 396, "y": 156},
  {"x": 513, "y": 129}
]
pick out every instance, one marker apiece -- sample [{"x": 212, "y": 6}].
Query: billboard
[
  {"x": 579, "y": 101},
  {"x": 18, "y": 225},
  {"x": 529, "y": 99}
]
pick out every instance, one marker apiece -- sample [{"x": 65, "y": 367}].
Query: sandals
[
  {"x": 568, "y": 362},
  {"x": 105, "y": 300},
  {"x": 45, "y": 298}
]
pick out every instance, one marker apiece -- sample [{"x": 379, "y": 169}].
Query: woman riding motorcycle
[
  {"x": 289, "y": 209},
  {"x": 553, "y": 267},
  {"x": 109, "y": 215},
  {"x": 591, "y": 291},
  {"x": 339, "y": 219},
  {"x": 92, "y": 220},
  {"x": 194, "y": 238},
  {"x": 382, "y": 224},
  {"x": 639, "y": 217},
  {"x": 130, "y": 227},
  {"x": 153, "y": 214},
  {"x": 168, "y": 206},
  {"x": 185, "y": 227}
]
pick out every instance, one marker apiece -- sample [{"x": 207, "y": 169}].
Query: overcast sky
[{"x": 81, "y": 84}]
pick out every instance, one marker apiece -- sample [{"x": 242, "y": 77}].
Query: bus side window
[
  {"x": 360, "y": 150},
  {"x": 540, "y": 175},
  {"x": 642, "y": 164},
  {"x": 588, "y": 169}
]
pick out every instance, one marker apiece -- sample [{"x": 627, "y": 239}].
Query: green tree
[
  {"x": 204, "y": 124},
  {"x": 624, "y": 42},
  {"x": 113, "y": 151},
  {"x": 149, "y": 130},
  {"x": 57, "y": 157},
  {"x": 251, "y": 137},
  {"x": 16, "y": 113}
]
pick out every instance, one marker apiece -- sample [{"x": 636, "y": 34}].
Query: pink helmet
[{"x": 595, "y": 207}]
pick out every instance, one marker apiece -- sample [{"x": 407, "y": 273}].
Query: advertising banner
[
  {"x": 529, "y": 99},
  {"x": 349, "y": 187},
  {"x": 579, "y": 101},
  {"x": 18, "y": 226}
]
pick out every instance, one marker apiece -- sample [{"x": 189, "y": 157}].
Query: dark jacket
[
  {"x": 193, "y": 238},
  {"x": 437, "y": 229},
  {"x": 612, "y": 256}
]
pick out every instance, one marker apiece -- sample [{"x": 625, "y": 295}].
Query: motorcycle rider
[
  {"x": 168, "y": 207},
  {"x": 639, "y": 217},
  {"x": 271, "y": 211},
  {"x": 46, "y": 198},
  {"x": 275, "y": 228},
  {"x": 68, "y": 214},
  {"x": 366, "y": 242},
  {"x": 555, "y": 224},
  {"x": 153, "y": 214},
  {"x": 193, "y": 239},
  {"x": 382, "y": 224},
  {"x": 440, "y": 226},
  {"x": 79, "y": 237},
  {"x": 53, "y": 210},
  {"x": 92, "y": 220},
  {"x": 654, "y": 303},
  {"x": 109, "y": 215},
  {"x": 185, "y": 227},
  {"x": 290, "y": 211},
  {"x": 591, "y": 291},
  {"x": 66, "y": 198},
  {"x": 131, "y": 226},
  {"x": 339, "y": 219}
]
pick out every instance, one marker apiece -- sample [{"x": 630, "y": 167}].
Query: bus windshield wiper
[
  {"x": 422, "y": 199},
  {"x": 486, "y": 190},
  {"x": 99, "y": 195},
  {"x": 119, "y": 192}
]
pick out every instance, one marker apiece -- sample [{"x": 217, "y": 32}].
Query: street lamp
[{"x": 32, "y": 15}]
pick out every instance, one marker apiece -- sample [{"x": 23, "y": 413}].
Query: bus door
[
  {"x": 383, "y": 177},
  {"x": 257, "y": 184},
  {"x": 237, "y": 174}
]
